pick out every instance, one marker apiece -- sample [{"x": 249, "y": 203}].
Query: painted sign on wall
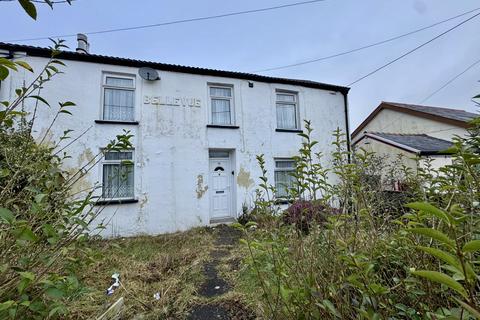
[{"x": 172, "y": 101}]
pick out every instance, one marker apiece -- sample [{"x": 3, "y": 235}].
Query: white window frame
[
  {"x": 105, "y": 75},
  {"x": 119, "y": 162},
  {"x": 231, "y": 99},
  {"x": 296, "y": 106},
  {"x": 277, "y": 169}
]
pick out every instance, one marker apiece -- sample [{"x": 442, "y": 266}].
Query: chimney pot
[{"x": 82, "y": 44}]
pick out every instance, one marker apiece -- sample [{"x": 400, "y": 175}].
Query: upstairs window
[
  {"x": 118, "y": 173},
  {"x": 284, "y": 168},
  {"x": 287, "y": 110},
  {"x": 118, "y": 98},
  {"x": 221, "y": 101}
]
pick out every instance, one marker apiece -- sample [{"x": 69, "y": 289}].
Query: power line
[
  {"x": 450, "y": 81},
  {"x": 413, "y": 50},
  {"x": 366, "y": 46},
  {"x": 230, "y": 14}
]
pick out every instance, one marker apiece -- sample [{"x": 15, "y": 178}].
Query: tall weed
[{"x": 412, "y": 254}]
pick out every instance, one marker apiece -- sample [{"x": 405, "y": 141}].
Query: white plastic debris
[
  {"x": 156, "y": 296},
  {"x": 115, "y": 284},
  {"x": 217, "y": 287}
]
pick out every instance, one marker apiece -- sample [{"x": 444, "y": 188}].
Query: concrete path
[{"x": 215, "y": 287}]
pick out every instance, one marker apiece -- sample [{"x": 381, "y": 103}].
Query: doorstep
[{"x": 226, "y": 220}]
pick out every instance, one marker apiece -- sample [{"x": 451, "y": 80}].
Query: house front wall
[
  {"x": 406, "y": 158},
  {"x": 172, "y": 179},
  {"x": 392, "y": 121}
]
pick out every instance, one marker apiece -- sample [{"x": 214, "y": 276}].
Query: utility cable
[
  {"x": 450, "y": 81},
  {"x": 366, "y": 46},
  {"x": 230, "y": 14},
  {"x": 413, "y": 50}
]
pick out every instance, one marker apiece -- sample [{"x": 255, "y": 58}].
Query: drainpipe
[{"x": 347, "y": 123}]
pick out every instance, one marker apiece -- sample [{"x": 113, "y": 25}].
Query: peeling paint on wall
[
  {"x": 141, "y": 218},
  {"x": 83, "y": 183},
  {"x": 143, "y": 201},
  {"x": 243, "y": 179},
  {"x": 85, "y": 157},
  {"x": 201, "y": 189}
]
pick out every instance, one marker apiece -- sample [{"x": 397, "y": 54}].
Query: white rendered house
[{"x": 196, "y": 133}]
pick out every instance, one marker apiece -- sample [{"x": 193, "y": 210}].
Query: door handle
[{"x": 220, "y": 191}]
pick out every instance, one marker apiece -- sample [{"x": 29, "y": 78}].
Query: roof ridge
[
  {"x": 426, "y": 106},
  {"x": 411, "y": 135},
  {"x": 398, "y": 134}
]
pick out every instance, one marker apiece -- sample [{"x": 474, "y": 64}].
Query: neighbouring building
[
  {"x": 197, "y": 133},
  {"x": 412, "y": 131}
]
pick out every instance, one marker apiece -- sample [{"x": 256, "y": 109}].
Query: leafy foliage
[
  {"x": 44, "y": 224},
  {"x": 29, "y": 6},
  {"x": 407, "y": 254}
]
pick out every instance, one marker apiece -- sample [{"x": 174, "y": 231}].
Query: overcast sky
[{"x": 284, "y": 36}]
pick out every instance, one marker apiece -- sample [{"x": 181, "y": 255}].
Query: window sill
[
  {"x": 284, "y": 201},
  {"x": 222, "y": 126},
  {"x": 116, "y": 122},
  {"x": 106, "y": 202},
  {"x": 289, "y": 130}
]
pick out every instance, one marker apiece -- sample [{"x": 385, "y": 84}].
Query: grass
[{"x": 170, "y": 264}]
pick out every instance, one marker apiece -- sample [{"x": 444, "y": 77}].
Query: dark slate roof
[
  {"x": 454, "y": 114},
  {"x": 424, "y": 144},
  {"x": 95, "y": 58}
]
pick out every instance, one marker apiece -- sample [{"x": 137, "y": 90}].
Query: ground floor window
[
  {"x": 118, "y": 173},
  {"x": 283, "y": 176}
]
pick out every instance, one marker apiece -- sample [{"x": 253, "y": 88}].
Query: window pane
[
  {"x": 218, "y": 154},
  {"x": 119, "y": 82},
  {"x": 285, "y": 97},
  {"x": 114, "y": 155},
  {"x": 221, "y": 111},
  {"x": 281, "y": 164},
  {"x": 283, "y": 181},
  {"x": 220, "y": 92},
  {"x": 118, "y": 104},
  {"x": 117, "y": 181},
  {"x": 286, "y": 116}
]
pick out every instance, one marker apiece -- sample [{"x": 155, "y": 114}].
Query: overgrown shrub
[
  {"x": 377, "y": 258},
  {"x": 249, "y": 215},
  {"x": 303, "y": 214},
  {"x": 44, "y": 224}
]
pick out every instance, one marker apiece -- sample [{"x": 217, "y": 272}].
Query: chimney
[{"x": 82, "y": 43}]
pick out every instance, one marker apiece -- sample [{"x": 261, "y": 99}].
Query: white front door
[{"x": 220, "y": 188}]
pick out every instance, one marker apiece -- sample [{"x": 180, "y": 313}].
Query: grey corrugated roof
[
  {"x": 96, "y": 58},
  {"x": 421, "y": 142},
  {"x": 454, "y": 114}
]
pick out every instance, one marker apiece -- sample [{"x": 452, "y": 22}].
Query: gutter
[{"x": 9, "y": 55}]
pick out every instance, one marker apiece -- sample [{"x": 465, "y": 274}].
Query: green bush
[
  {"x": 44, "y": 224},
  {"x": 378, "y": 257}
]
